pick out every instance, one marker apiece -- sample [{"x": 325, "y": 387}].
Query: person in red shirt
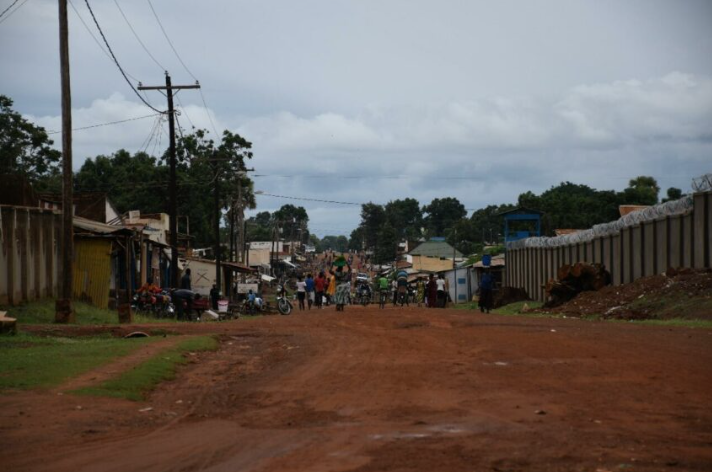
[{"x": 319, "y": 287}]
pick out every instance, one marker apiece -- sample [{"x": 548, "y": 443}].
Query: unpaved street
[{"x": 398, "y": 390}]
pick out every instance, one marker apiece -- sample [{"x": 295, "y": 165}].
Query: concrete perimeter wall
[
  {"x": 638, "y": 251},
  {"x": 29, "y": 255}
]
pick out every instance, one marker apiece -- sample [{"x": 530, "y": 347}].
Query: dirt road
[{"x": 396, "y": 390}]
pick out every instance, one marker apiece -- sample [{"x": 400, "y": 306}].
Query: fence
[
  {"x": 648, "y": 248},
  {"x": 29, "y": 259}
]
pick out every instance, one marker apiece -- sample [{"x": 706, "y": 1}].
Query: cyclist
[{"x": 383, "y": 289}]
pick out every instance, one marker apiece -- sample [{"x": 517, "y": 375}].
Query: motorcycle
[
  {"x": 364, "y": 295},
  {"x": 283, "y": 304},
  {"x": 154, "y": 304}
]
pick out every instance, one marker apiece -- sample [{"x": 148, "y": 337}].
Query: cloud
[{"x": 480, "y": 151}]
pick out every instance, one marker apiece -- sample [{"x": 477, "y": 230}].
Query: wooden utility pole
[
  {"x": 216, "y": 210},
  {"x": 64, "y": 311},
  {"x": 172, "y": 205}
]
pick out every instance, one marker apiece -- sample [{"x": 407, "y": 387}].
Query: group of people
[{"x": 316, "y": 292}]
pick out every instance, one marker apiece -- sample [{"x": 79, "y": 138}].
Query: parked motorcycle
[{"x": 283, "y": 304}]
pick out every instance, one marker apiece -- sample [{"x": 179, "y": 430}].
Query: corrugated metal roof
[
  {"x": 432, "y": 248},
  {"x": 99, "y": 228}
]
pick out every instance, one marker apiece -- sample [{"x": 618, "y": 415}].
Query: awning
[{"x": 267, "y": 278}]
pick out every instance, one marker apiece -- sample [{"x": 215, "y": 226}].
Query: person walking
[
  {"x": 432, "y": 291},
  {"x": 486, "y": 300},
  {"x": 441, "y": 296},
  {"x": 185, "y": 282},
  {"x": 214, "y": 297},
  {"x": 343, "y": 285},
  {"x": 319, "y": 286},
  {"x": 310, "y": 290},
  {"x": 301, "y": 291},
  {"x": 420, "y": 292},
  {"x": 330, "y": 289},
  {"x": 182, "y": 297}
]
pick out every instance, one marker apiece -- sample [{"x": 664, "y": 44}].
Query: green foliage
[
  {"x": 335, "y": 243},
  {"x": 441, "y": 214},
  {"x": 25, "y": 149},
  {"x": 30, "y": 361},
  {"x": 140, "y": 181},
  {"x": 387, "y": 246},
  {"x": 136, "y": 383},
  {"x": 673, "y": 194},
  {"x": 642, "y": 190},
  {"x": 405, "y": 217},
  {"x": 42, "y": 312},
  {"x": 293, "y": 221}
]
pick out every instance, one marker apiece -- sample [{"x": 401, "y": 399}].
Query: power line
[
  {"x": 365, "y": 176},
  {"x": 86, "y": 26},
  {"x": 137, "y": 37},
  {"x": 170, "y": 43},
  {"x": 306, "y": 199},
  {"x": 322, "y": 201},
  {"x": 207, "y": 110},
  {"x": 12, "y": 12},
  {"x": 109, "y": 123},
  {"x": 113, "y": 56},
  {"x": 8, "y": 8}
]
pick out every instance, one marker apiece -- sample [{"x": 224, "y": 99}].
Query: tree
[
  {"x": 387, "y": 245},
  {"x": 642, "y": 190},
  {"x": 673, "y": 194},
  {"x": 356, "y": 239},
  {"x": 25, "y": 149},
  {"x": 293, "y": 220},
  {"x": 259, "y": 227},
  {"x": 442, "y": 213},
  {"x": 373, "y": 217},
  {"x": 405, "y": 217}
]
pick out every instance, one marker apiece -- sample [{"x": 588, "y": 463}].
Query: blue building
[{"x": 521, "y": 223}]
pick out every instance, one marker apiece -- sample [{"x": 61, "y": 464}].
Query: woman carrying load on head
[{"x": 342, "y": 276}]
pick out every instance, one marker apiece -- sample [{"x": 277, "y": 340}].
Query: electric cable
[
  {"x": 200, "y": 90},
  {"x": 113, "y": 56},
  {"x": 8, "y": 8},
  {"x": 86, "y": 26},
  {"x": 170, "y": 43},
  {"x": 137, "y": 37},
  {"x": 12, "y": 12},
  {"x": 109, "y": 123}
]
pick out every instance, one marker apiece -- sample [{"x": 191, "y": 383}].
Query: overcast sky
[{"x": 363, "y": 100}]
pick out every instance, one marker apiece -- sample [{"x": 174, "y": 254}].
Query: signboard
[{"x": 245, "y": 288}]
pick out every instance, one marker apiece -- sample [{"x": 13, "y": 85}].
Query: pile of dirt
[{"x": 678, "y": 293}]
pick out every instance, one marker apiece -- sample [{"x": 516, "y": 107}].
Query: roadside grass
[
  {"x": 667, "y": 307},
  {"x": 29, "y": 361},
  {"x": 515, "y": 309},
  {"x": 136, "y": 383},
  {"x": 673, "y": 322},
  {"x": 509, "y": 310},
  {"x": 42, "y": 312}
]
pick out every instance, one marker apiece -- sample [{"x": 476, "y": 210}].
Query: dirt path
[
  {"x": 399, "y": 390},
  {"x": 118, "y": 366}
]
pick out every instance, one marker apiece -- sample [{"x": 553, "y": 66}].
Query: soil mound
[{"x": 678, "y": 293}]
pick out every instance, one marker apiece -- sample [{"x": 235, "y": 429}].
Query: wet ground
[{"x": 398, "y": 390}]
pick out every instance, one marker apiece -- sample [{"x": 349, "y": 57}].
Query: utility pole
[
  {"x": 172, "y": 205},
  {"x": 63, "y": 309},
  {"x": 216, "y": 212},
  {"x": 241, "y": 216}
]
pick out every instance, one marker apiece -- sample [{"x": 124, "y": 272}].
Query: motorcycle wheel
[{"x": 284, "y": 306}]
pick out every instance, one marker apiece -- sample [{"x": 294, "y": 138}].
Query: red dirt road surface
[{"x": 394, "y": 390}]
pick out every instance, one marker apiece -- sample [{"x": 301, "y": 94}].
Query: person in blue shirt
[
  {"x": 486, "y": 287},
  {"x": 310, "y": 290}
]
